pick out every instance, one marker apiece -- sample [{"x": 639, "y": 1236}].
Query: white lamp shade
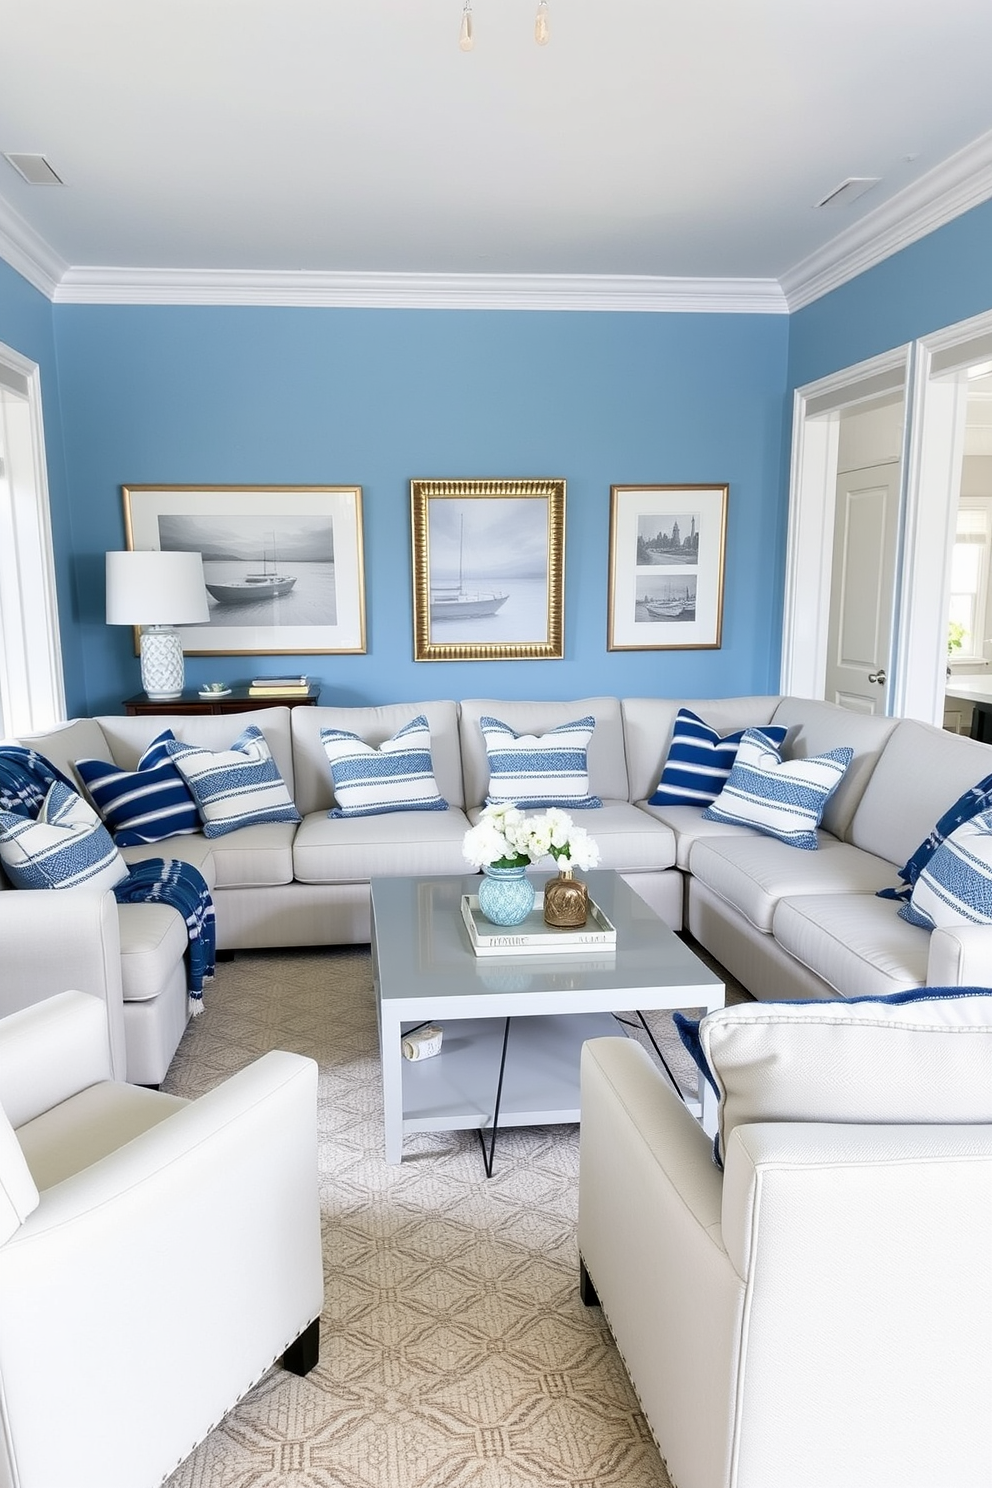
[{"x": 155, "y": 588}]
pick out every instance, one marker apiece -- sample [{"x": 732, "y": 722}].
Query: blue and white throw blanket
[
  {"x": 183, "y": 887},
  {"x": 25, "y": 779}
]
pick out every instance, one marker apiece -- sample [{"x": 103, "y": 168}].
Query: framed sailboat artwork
[
  {"x": 666, "y": 567},
  {"x": 283, "y": 565},
  {"x": 488, "y": 569}
]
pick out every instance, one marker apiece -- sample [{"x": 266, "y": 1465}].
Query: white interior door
[{"x": 866, "y": 532}]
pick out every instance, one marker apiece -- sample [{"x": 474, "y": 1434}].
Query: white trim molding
[
  {"x": 624, "y": 292},
  {"x": 950, "y": 189},
  {"x": 28, "y": 253}
]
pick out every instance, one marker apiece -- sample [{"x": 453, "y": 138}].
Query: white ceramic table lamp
[{"x": 157, "y": 590}]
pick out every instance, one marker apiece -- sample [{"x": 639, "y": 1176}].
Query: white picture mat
[{"x": 630, "y": 579}]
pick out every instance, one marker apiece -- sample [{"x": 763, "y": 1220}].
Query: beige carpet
[{"x": 455, "y": 1352}]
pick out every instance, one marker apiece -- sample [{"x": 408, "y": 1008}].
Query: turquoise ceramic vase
[{"x": 506, "y": 895}]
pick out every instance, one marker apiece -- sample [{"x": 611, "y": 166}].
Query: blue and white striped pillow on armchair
[
  {"x": 398, "y": 776},
  {"x": 532, "y": 770},
  {"x": 781, "y": 798},
  {"x": 65, "y": 847},
  {"x": 234, "y": 787}
]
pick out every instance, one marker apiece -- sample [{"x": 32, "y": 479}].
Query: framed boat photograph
[
  {"x": 283, "y": 565},
  {"x": 488, "y": 569},
  {"x": 666, "y": 567}
]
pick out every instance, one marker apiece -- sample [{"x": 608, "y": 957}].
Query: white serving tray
[{"x": 532, "y": 937}]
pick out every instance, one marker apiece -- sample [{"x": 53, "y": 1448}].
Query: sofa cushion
[
  {"x": 353, "y": 849},
  {"x": 529, "y": 770},
  {"x": 144, "y": 805},
  {"x": 700, "y": 759},
  {"x": 191, "y": 848},
  {"x": 920, "y": 774},
  {"x": 855, "y": 943},
  {"x": 689, "y": 826},
  {"x": 235, "y": 787},
  {"x": 649, "y": 722},
  {"x": 128, "y": 738},
  {"x": 256, "y": 855},
  {"x": 752, "y": 873},
  {"x": 955, "y": 886},
  {"x": 782, "y": 798},
  {"x": 314, "y": 786},
  {"x": 65, "y": 847},
  {"x": 604, "y": 755},
  {"x": 629, "y": 839},
  {"x": 396, "y": 776},
  {"x": 914, "y": 1058}
]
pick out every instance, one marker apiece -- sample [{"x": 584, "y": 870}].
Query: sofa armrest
[
  {"x": 960, "y": 956},
  {"x": 176, "y": 1269},
  {"x": 56, "y": 939}
]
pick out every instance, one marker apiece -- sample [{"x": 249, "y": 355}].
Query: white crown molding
[
  {"x": 951, "y": 188},
  {"x": 28, "y": 253},
  {"x": 638, "y": 293}
]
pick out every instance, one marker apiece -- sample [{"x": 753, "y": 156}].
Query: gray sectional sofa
[{"x": 788, "y": 923}]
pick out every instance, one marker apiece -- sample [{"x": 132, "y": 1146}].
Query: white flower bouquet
[{"x": 504, "y": 837}]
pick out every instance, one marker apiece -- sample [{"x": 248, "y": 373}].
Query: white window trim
[{"x": 32, "y": 685}]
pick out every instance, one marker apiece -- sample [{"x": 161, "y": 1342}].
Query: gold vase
[{"x": 566, "y": 901}]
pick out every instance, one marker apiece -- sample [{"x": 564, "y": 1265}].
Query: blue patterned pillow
[
  {"x": 234, "y": 787},
  {"x": 398, "y": 776},
  {"x": 65, "y": 847},
  {"x": 977, "y": 798},
  {"x": 700, "y": 760},
  {"x": 781, "y": 798},
  {"x": 143, "y": 805},
  {"x": 539, "y": 770},
  {"x": 955, "y": 885}
]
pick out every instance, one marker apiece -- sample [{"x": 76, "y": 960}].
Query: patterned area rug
[{"x": 455, "y": 1352}]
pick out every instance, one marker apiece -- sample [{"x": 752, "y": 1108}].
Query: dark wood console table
[{"x": 235, "y": 701}]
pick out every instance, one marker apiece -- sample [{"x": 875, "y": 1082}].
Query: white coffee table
[{"x": 425, "y": 971}]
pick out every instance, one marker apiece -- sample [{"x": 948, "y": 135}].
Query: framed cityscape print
[
  {"x": 666, "y": 567},
  {"x": 488, "y": 569},
  {"x": 283, "y": 565}
]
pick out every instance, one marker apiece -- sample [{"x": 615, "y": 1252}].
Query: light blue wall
[
  {"x": 944, "y": 278},
  {"x": 26, "y": 325},
  {"x": 270, "y": 396}
]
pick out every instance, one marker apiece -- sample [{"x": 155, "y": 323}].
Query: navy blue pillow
[
  {"x": 143, "y": 805},
  {"x": 699, "y": 760}
]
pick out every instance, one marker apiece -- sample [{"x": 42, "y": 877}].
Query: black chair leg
[
  {"x": 304, "y": 1351},
  {"x": 586, "y": 1289}
]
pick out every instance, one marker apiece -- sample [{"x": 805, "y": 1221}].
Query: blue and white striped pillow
[
  {"x": 539, "y": 769},
  {"x": 65, "y": 847},
  {"x": 955, "y": 886},
  {"x": 143, "y": 805},
  {"x": 398, "y": 776},
  {"x": 781, "y": 798},
  {"x": 234, "y": 787},
  {"x": 700, "y": 760}
]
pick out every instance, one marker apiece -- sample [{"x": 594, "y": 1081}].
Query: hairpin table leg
[
  {"x": 487, "y": 1158},
  {"x": 654, "y": 1043}
]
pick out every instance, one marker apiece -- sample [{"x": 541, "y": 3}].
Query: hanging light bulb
[
  {"x": 542, "y": 28},
  {"x": 465, "y": 35}
]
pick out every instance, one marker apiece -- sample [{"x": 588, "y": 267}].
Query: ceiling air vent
[
  {"x": 35, "y": 169},
  {"x": 848, "y": 191}
]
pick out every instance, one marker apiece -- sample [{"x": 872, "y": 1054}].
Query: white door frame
[{"x": 817, "y": 407}]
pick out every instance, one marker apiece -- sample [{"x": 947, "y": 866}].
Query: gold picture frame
[
  {"x": 667, "y": 554},
  {"x": 488, "y": 569},
  {"x": 310, "y": 537}
]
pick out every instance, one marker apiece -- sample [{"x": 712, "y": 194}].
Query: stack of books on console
[{"x": 279, "y": 687}]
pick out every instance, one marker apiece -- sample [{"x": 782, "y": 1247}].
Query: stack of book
[{"x": 279, "y": 687}]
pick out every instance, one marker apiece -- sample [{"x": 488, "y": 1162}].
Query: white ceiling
[{"x": 662, "y": 138}]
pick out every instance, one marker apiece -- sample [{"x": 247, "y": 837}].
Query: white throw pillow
[
  {"x": 781, "y": 798},
  {"x": 530, "y": 770},
  {"x": 398, "y": 776},
  {"x": 912, "y": 1057},
  {"x": 65, "y": 847}
]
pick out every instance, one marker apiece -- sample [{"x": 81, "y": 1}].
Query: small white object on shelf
[
  {"x": 422, "y": 1043},
  {"x": 210, "y": 692},
  {"x": 532, "y": 937}
]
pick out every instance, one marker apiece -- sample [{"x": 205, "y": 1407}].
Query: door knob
[{"x": 878, "y": 677}]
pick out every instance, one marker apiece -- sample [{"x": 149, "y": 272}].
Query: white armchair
[
  {"x": 156, "y": 1255},
  {"x": 819, "y": 1313}
]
